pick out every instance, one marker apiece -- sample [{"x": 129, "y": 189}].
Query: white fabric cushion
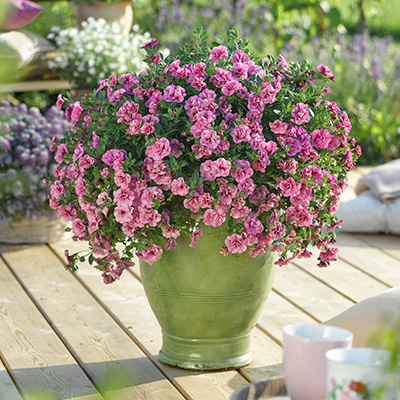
[
  {"x": 393, "y": 217},
  {"x": 365, "y": 213},
  {"x": 20, "y": 48},
  {"x": 369, "y": 315}
]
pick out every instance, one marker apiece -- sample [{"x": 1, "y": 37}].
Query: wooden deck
[{"x": 74, "y": 337}]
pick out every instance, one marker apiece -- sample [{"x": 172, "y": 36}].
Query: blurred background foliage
[{"x": 359, "y": 40}]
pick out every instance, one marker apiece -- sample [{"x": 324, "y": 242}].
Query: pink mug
[{"x": 304, "y": 362}]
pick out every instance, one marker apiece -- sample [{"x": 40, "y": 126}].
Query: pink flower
[
  {"x": 153, "y": 43},
  {"x": 68, "y": 212},
  {"x": 256, "y": 103},
  {"x": 241, "y": 171},
  {"x": 61, "y": 151},
  {"x": 149, "y": 194},
  {"x": 145, "y": 129},
  {"x": 205, "y": 200},
  {"x": 248, "y": 186},
  {"x": 122, "y": 214},
  {"x": 148, "y": 216},
  {"x": 222, "y": 167},
  {"x": 253, "y": 225},
  {"x": 214, "y": 217},
  {"x": 150, "y": 255},
  {"x": 208, "y": 170},
  {"x": 239, "y": 70},
  {"x": 278, "y": 127},
  {"x": 60, "y": 101},
  {"x": 57, "y": 190},
  {"x": 159, "y": 149},
  {"x": 321, "y": 138},
  {"x": 174, "y": 93},
  {"x": 195, "y": 237},
  {"x": 230, "y": 87},
  {"x": 80, "y": 186},
  {"x": 240, "y": 56},
  {"x": 268, "y": 92},
  {"x": 175, "y": 146},
  {"x": 217, "y": 53},
  {"x": 110, "y": 156},
  {"x": 289, "y": 187},
  {"x": 121, "y": 179},
  {"x": 170, "y": 244},
  {"x": 300, "y": 113},
  {"x": 117, "y": 95},
  {"x": 193, "y": 204},
  {"x": 240, "y": 133},
  {"x": 326, "y": 71},
  {"x": 102, "y": 198},
  {"x": 329, "y": 255},
  {"x": 179, "y": 187},
  {"x": 76, "y": 111},
  {"x": 169, "y": 232},
  {"x": 282, "y": 62},
  {"x": 227, "y": 194},
  {"x": 78, "y": 228},
  {"x": 123, "y": 197},
  {"x": 210, "y": 139},
  {"x": 235, "y": 244},
  {"x": 221, "y": 77}
]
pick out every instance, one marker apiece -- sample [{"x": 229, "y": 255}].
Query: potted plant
[
  {"x": 25, "y": 165},
  {"x": 111, "y": 10},
  {"x": 94, "y": 52},
  {"x": 208, "y": 167}
]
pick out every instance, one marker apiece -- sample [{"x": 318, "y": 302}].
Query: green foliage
[
  {"x": 388, "y": 338},
  {"x": 57, "y": 13}
]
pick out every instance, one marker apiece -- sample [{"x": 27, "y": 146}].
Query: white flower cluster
[{"x": 88, "y": 55}]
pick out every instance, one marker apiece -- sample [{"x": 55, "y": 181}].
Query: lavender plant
[
  {"x": 367, "y": 83},
  {"x": 25, "y": 159},
  {"x": 176, "y": 19}
]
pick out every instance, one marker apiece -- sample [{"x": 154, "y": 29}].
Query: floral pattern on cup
[{"x": 348, "y": 390}]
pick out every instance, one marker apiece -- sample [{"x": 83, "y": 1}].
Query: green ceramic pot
[{"x": 207, "y": 304}]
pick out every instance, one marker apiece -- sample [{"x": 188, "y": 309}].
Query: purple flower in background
[{"x": 26, "y": 162}]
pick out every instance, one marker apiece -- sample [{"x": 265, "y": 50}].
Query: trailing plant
[{"x": 214, "y": 135}]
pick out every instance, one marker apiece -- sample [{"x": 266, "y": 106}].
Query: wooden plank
[
  {"x": 267, "y": 351},
  {"x": 144, "y": 326},
  {"x": 311, "y": 295},
  {"x": 390, "y": 244},
  {"x": 100, "y": 345},
  {"x": 279, "y": 312},
  {"x": 28, "y": 86},
  {"x": 34, "y": 354},
  {"x": 380, "y": 264},
  {"x": 8, "y": 390},
  {"x": 343, "y": 277},
  {"x": 267, "y": 359}
]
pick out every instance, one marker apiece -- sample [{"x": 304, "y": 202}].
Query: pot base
[{"x": 206, "y": 354}]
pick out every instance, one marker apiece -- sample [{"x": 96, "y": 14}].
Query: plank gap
[
  {"x": 296, "y": 305},
  {"x": 325, "y": 283},
  {"x": 364, "y": 272},
  {"x": 10, "y": 374},
  {"x": 368, "y": 242},
  {"x": 262, "y": 329}
]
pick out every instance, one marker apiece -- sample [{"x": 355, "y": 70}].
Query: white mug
[
  {"x": 355, "y": 373},
  {"x": 304, "y": 363}
]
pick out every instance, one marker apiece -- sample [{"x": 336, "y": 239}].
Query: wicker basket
[{"x": 41, "y": 230}]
